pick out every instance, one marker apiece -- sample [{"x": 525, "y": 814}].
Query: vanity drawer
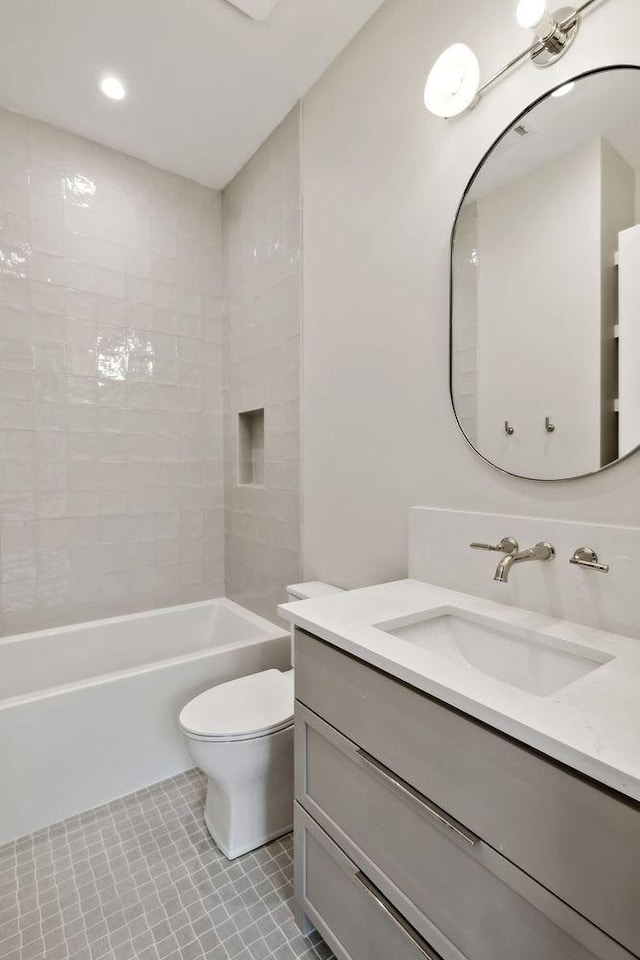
[
  {"x": 479, "y": 901},
  {"x": 354, "y": 917},
  {"x": 577, "y": 840}
]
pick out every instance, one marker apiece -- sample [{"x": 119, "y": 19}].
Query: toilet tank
[{"x": 309, "y": 591}]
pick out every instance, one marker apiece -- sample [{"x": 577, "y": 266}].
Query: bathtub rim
[{"x": 268, "y": 631}]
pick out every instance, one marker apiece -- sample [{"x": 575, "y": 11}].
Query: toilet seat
[{"x": 242, "y": 709}]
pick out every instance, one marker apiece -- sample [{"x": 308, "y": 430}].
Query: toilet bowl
[{"x": 240, "y": 734}]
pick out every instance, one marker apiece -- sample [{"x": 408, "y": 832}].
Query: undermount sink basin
[{"x": 522, "y": 658}]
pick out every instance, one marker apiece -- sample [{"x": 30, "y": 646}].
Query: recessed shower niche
[{"x": 251, "y": 448}]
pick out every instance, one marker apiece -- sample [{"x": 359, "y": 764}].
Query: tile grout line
[{"x": 140, "y": 879}]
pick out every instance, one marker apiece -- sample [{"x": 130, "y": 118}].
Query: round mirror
[{"x": 545, "y": 303}]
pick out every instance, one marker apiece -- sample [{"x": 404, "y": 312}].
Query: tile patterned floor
[{"x": 140, "y": 879}]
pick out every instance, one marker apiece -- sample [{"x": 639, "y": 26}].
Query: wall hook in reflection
[
  {"x": 550, "y": 427},
  {"x": 508, "y": 429}
]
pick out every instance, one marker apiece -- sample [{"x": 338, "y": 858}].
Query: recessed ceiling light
[
  {"x": 113, "y": 88},
  {"x": 563, "y": 91}
]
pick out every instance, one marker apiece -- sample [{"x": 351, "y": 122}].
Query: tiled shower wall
[
  {"x": 111, "y": 321},
  {"x": 262, "y": 252}
]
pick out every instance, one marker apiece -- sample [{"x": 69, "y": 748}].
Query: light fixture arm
[
  {"x": 509, "y": 66},
  {"x": 453, "y": 84},
  {"x": 537, "y": 47}
]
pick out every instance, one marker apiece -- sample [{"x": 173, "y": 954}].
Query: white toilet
[{"x": 240, "y": 734}]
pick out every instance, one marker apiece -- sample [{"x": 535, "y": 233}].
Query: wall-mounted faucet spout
[{"x": 541, "y": 551}]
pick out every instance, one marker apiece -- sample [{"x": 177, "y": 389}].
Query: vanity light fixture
[
  {"x": 453, "y": 84},
  {"x": 555, "y": 32}
]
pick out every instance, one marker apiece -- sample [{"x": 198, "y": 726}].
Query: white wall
[
  {"x": 261, "y": 233},
  {"x": 381, "y": 183}
]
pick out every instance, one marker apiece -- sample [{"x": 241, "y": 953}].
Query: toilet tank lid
[
  {"x": 314, "y": 588},
  {"x": 243, "y": 708}
]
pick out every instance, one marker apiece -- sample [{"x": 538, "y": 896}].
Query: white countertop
[{"x": 592, "y": 725}]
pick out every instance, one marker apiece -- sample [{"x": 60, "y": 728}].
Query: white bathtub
[{"x": 89, "y": 712}]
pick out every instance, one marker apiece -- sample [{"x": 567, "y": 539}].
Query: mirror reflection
[{"x": 545, "y": 345}]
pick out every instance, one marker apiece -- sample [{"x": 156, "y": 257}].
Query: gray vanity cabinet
[
  {"x": 407, "y": 810},
  {"x": 363, "y": 923}
]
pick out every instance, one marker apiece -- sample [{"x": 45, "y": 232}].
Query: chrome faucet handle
[
  {"x": 588, "y": 558},
  {"x": 506, "y": 545}
]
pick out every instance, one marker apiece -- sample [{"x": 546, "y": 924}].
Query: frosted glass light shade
[
  {"x": 533, "y": 15},
  {"x": 530, "y": 12},
  {"x": 453, "y": 83}
]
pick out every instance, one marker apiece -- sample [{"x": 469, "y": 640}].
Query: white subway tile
[
  {"x": 111, "y": 424},
  {"x": 17, "y": 597}
]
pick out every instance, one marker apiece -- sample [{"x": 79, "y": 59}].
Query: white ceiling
[{"x": 206, "y": 83}]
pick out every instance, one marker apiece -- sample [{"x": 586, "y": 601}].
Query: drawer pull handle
[
  {"x": 405, "y": 789},
  {"x": 391, "y": 912}
]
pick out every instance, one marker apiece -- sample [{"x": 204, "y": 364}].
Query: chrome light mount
[{"x": 551, "y": 48}]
